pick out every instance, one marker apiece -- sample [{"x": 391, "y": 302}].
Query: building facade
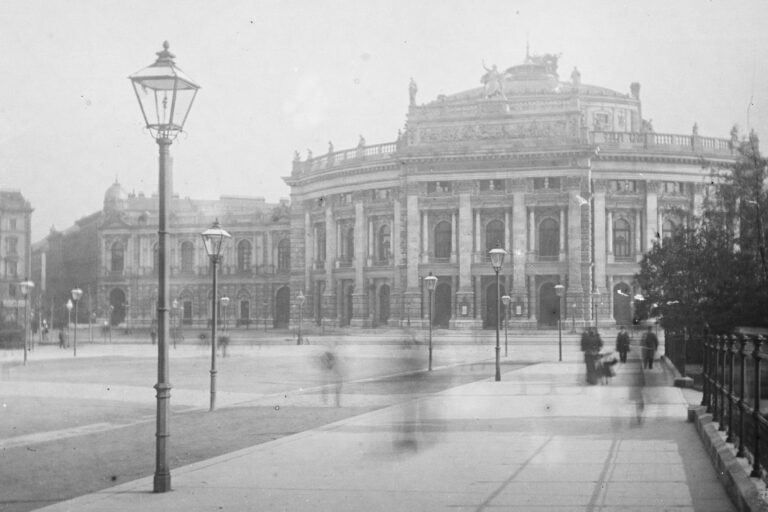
[
  {"x": 567, "y": 177},
  {"x": 15, "y": 253},
  {"x": 112, "y": 256}
]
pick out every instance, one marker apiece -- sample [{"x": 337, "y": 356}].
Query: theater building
[{"x": 567, "y": 177}]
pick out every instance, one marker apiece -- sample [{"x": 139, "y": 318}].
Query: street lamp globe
[
  {"x": 165, "y": 95},
  {"x": 213, "y": 239},
  {"x": 506, "y": 300},
  {"x": 225, "y": 301},
  {"x": 431, "y": 282},
  {"x": 70, "y": 305},
  {"x": 26, "y": 287},
  {"x": 300, "y": 298},
  {"x": 76, "y": 294},
  {"x": 497, "y": 255}
]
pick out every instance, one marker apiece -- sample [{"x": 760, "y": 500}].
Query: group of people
[{"x": 600, "y": 365}]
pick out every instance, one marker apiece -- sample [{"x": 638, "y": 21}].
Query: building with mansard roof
[
  {"x": 111, "y": 255},
  {"x": 567, "y": 177}
]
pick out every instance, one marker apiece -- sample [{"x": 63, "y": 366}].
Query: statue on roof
[
  {"x": 296, "y": 155},
  {"x": 412, "y": 90},
  {"x": 492, "y": 80},
  {"x": 576, "y": 76},
  {"x": 330, "y": 147},
  {"x": 734, "y": 142}
]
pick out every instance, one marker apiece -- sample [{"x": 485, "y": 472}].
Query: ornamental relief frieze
[{"x": 534, "y": 129}]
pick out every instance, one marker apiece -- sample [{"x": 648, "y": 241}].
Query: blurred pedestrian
[
  {"x": 153, "y": 334},
  {"x": 331, "y": 369},
  {"x": 591, "y": 343},
  {"x": 650, "y": 344},
  {"x": 622, "y": 344},
  {"x": 62, "y": 339}
]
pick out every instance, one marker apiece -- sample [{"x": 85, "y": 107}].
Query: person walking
[
  {"x": 650, "y": 345},
  {"x": 591, "y": 345},
  {"x": 62, "y": 338},
  {"x": 622, "y": 344}
]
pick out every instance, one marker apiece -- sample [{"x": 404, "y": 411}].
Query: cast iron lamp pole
[
  {"x": 76, "y": 294},
  {"x": 26, "y": 288},
  {"x": 497, "y": 261},
  {"x": 506, "y": 299},
  {"x": 431, "y": 283},
  {"x": 560, "y": 292},
  {"x": 175, "y": 312},
  {"x": 69, "y": 316},
  {"x": 213, "y": 239},
  {"x": 300, "y": 301},
  {"x": 225, "y": 303},
  {"x": 165, "y": 96}
]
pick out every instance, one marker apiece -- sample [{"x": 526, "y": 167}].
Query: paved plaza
[{"x": 541, "y": 439}]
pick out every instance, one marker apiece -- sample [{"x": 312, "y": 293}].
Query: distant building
[
  {"x": 112, "y": 256},
  {"x": 15, "y": 232},
  {"x": 567, "y": 177}
]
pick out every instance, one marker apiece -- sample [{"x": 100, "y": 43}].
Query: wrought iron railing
[{"x": 733, "y": 365}]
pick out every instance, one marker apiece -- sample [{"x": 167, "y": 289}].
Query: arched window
[
  {"x": 284, "y": 254},
  {"x": 243, "y": 256},
  {"x": 549, "y": 238},
  {"x": 384, "y": 243},
  {"x": 494, "y": 235},
  {"x": 349, "y": 245},
  {"x": 621, "y": 238},
  {"x": 667, "y": 228},
  {"x": 443, "y": 240},
  {"x": 187, "y": 257},
  {"x": 118, "y": 257}
]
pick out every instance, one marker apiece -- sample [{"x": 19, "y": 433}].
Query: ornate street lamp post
[
  {"x": 506, "y": 299},
  {"x": 109, "y": 323},
  {"x": 560, "y": 292},
  {"x": 300, "y": 301},
  {"x": 431, "y": 283},
  {"x": 213, "y": 239},
  {"x": 26, "y": 288},
  {"x": 165, "y": 96},
  {"x": 497, "y": 261},
  {"x": 69, "y": 316},
  {"x": 76, "y": 294}
]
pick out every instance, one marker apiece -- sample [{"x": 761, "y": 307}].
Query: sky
[{"x": 278, "y": 76}]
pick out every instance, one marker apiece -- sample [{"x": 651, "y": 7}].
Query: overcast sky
[{"x": 283, "y": 75}]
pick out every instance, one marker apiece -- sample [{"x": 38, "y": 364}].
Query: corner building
[{"x": 567, "y": 177}]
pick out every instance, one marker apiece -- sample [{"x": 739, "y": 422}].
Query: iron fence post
[
  {"x": 723, "y": 347},
  {"x": 705, "y": 375},
  {"x": 729, "y": 353},
  {"x": 756, "y": 473},
  {"x": 742, "y": 377}
]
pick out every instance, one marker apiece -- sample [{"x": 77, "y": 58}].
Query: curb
[{"x": 745, "y": 492}]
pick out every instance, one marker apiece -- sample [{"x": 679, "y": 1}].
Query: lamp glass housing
[
  {"x": 165, "y": 94},
  {"x": 76, "y": 294},
  {"x": 559, "y": 290},
  {"x": 497, "y": 255},
  {"x": 505, "y": 299},
  {"x": 300, "y": 298},
  {"x": 224, "y": 301},
  {"x": 431, "y": 282},
  {"x": 26, "y": 287},
  {"x": 213, "y": 239},
  {"x": 69, "y": 304}
]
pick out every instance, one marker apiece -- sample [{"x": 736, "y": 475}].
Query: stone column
[
  {"x": 454, "y": 237},
  {"x": 638, "y": 237},
  {"x": 599, "y": 239},
  {"x": 561, "y": 256},
  {"x": 328, "y": 304},
  {"x": 308, "y": 255},
  {"x": 518, "y": 249},
  {"x": 360, "y": 294},
  {"x": 575, "y": 287},
  {"x": 531, "y": 231},
  {"x": 463, "y": 290},
  {"x": 425, "y": 237},
  {"x": 412, "y": 257},
  {"x": 651, "y": 213},
  {"x": 478, "y": 231}
]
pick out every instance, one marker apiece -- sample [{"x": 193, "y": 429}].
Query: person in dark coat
[
  {"x": 622, "y": 344},
  {"x": 591, "y": 345},
  {"x": 650, "y": 345}
]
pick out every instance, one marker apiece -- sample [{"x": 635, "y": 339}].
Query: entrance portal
[
  {"x": 442, "y": 311},
  {"x": 549, "y": 305},
  {"x": 282, "y": 307},
  {"x": 622, "y": 311},
  {"x": 491, "y": 306}
]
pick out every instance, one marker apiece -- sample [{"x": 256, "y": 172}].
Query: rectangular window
[
  {"x": 12, "y": 224},
  {"x": 623, "y": 186},
  {"x": 438, "y": 187},
  {"x": 492, "y": 185},
  {"x": 550, "y": 183}
]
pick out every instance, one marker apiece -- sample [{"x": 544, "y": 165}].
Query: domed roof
[{"x": 115, "y": 196}]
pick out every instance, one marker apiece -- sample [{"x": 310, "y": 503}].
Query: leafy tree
[{"x": 713, "y": 273}]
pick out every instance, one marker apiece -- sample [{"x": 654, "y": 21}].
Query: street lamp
[
  {"x": 69, "y": 316},
  {"x": 165, "y": 96},
  {"x": 26, "y": 286},
  {"x": 497, "y": 260},
  {"x": 560, "y": 292},
  {"x": 76, "y": 294},
  {"x": 109, "y": 323},
  {"x": 431, "y": 283},
  {"x": 506, "y": 299},
  {"x": 300, "y": 301},
  {"x": 213, "y": 239},
  {"x": 266, "y": 313},
  {"x": 225, "y": 303}
]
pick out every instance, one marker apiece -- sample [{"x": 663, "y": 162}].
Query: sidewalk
[{"x": 538, "y": 440}]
